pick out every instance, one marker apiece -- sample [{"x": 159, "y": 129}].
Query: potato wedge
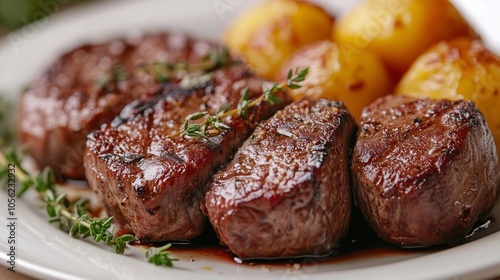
[
  {"x": 267, "y": 35},
  {"x": 400, "y": 30},
  {"x": 337, "y": 74},
  {"x": 461, "y": 68}
]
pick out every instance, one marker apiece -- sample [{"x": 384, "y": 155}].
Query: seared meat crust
[
  {"x": 286, "y": 193},
  {"x": 89, "y": 86},
  {"x": 425, "y": 171},
  {"x": 154, "y": 184}
]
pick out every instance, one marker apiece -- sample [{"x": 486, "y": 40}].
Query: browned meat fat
[
  {"x": 89, "y": 86},
  {"x": 153, "y": 184},
  {"x": 286, "y": 192},
  {"x": 425, "y": 171}
]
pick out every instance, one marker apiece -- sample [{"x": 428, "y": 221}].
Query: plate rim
[{"x": 488, "y": 268}]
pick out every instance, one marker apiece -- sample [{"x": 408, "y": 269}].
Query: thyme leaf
[
  {"x": 116, "y": 74},
  {"x": 244, "y": 101},
  {"x": 215, "y": 122},
  {"x": 72, "y": 216},
  {"x": 217, "y": 58},
  {"x": 223, "y": 109},
  {"x": 191, "y": 82},
  {"x": 163, "y": 71},
  {"x": 160, "y": 256},
  {"x": 295, "y": 77}
]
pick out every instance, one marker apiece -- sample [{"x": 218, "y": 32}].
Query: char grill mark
[
  {"x": 286, "y": 192},
  {"x": 136, "y": 160},
  {"x": 73, "y": 97},
  {"x": 138, "y": 107}
]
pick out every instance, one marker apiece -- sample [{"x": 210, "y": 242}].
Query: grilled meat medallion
[
  {"x": 286, "y": 192},
  {"x": 425, "y": 171},
  {"x": 154, "y": 184},
  {"x": 89, "y": 86}
]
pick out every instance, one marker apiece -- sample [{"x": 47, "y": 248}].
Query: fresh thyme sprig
[
  {"x": 213, "y": 124},
  {"x": 116, "y": 74},
  {"x": 160, "y": 256},
  {"x": 199, "y": 131},
  {"x": 69, "y": 215},
  {"x": 162, "y": 72}
]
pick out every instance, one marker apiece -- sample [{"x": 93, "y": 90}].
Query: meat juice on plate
[{"x": 361, "y": 243}]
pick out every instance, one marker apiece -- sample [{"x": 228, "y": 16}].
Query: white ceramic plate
[{"x": 44, "y": 251}]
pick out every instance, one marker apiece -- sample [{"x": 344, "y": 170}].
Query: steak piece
[
  {"x": 287, "y": 191},
  {"x": 89, "y": 86},
  {"x": 153, "y": 184},
  {"x": 425, "y": 171}
]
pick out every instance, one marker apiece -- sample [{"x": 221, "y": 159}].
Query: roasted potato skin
[
  {"x": 267, "y": 35},
  {"x": 337, "y": 74},
  {"x": 400, "y": 30},
  {"x": 461, "y": 68}
]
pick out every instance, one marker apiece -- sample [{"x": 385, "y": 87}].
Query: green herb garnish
[
  {"x": 215, "y": 123},
  {"x": 160, "y": 256},
  {"x": 163, "y": 72},
  {"x": 117, "y": 74},
  {"x": 192, "y": 82},
  {"x": 72, "y": 216},
  {"x": 6, "y": 130}
]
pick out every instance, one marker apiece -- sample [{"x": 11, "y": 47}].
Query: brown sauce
[{"x": 361, "y": 243}]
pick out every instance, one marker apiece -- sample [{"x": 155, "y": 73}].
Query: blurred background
[{"x": 16, "y": 13}]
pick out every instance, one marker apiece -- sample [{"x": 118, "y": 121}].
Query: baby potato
[
  {"x": 267, "y": 35},
  {"x": 337, "y": 74},
  {"x": 400, "y": 30},
  {"x": 461, "y": 68}
]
